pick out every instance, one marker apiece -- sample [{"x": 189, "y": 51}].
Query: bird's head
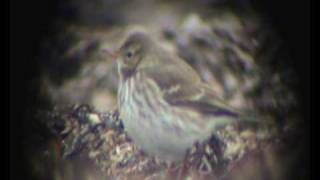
[{"x": 134, "y": 52}]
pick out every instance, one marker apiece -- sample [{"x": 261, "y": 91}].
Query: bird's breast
[
  {"x": 137, "y": 100},
  {"x": 153, "y": 124}
]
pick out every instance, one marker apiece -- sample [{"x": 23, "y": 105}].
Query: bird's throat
[{"x": 127, "y": 72}]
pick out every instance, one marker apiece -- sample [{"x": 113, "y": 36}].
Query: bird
[{"x": 163, "y": 103}]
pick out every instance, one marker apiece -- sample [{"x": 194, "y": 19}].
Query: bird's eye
[{"x": 129, "y": 54}]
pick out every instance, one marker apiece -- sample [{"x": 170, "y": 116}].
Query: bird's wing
[{"x": 181, "y": 86}]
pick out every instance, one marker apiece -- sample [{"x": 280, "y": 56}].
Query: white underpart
[{"x": 155, "y": 133}]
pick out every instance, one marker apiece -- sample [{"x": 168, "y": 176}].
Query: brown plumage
[{"x": 164, "y": 105}]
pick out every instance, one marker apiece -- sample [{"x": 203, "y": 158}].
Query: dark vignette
[{"x": 32, "y": 21}]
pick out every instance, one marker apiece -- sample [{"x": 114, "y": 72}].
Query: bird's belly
[
  {"x": 155, "y": 138},
  {"x": 150, "y": 129}
]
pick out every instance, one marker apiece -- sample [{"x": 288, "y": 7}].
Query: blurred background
[{"x": 254, "y": 54}]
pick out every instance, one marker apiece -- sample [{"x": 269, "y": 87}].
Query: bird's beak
[{"x": 114, "y": 55}]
